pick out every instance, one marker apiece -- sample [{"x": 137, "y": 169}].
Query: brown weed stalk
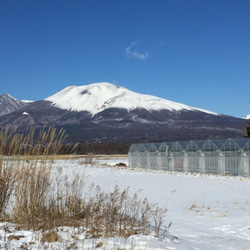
[{"x": 43, "y": 199}]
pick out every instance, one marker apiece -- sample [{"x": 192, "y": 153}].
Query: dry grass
[
  {"x": 33, "y": 192},
  {"x": 42, "y": 199},
  {"x": 192, "y": 207},
  {"x": 8, "y": 176},
  {"x": 116, "y": 213},
  {"x": 25, "y": 172},
  {"x": 50, "y": 236}
]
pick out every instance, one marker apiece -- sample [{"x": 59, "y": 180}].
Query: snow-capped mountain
[
  {"x": 247, "y": 117},
  {"x": 9, "y": 104},
  {"x": 103, "y": 112},
  {"x": 97, "y": 97}
]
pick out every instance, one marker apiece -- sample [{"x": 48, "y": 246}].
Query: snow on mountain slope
[
  {"x": 247, "y": 117},
  {"x": 97, "y": 97}
]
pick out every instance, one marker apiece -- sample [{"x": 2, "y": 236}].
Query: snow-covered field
[{"x": 206, "y": 211}]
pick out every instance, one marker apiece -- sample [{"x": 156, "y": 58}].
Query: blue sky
[{"x": 195, "y": 52}]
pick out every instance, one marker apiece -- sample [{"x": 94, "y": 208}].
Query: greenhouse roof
[{"x": 229, "y": 144}]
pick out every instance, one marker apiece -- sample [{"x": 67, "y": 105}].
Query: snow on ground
[{"x": 206, "y": 211}]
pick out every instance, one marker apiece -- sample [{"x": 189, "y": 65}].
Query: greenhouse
[{"x": 213, "y": 156}]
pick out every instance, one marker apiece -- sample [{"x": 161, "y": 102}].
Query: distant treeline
[
  {"x": 50, "y": 141},
  {"x": 102, "y": 148},
  {"x": 95, "y": 148}
]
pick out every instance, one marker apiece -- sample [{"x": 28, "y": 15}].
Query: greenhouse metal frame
[{"x": 214, "y": 156}]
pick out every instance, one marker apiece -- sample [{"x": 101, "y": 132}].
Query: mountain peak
[
  {"x": 97, "y": 97},
  {"x": 9, "y": 104},
  {"x": 6, "y": 96}
]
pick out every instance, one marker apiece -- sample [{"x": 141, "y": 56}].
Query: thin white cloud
[{"x": 130, "y": 52}]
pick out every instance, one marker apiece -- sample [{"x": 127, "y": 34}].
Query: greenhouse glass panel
[
  {"x": 210, "y": 152},
  {"x": 177, "y": 156},
  {"x": 241, "y": 141},
  {"x": 177, "y": 161},
  {"x": 152, "y": 156},
  {"x": 219, "y": 142},
  {"x": 183, "y": 144},
  {"x": 246, "y": 147},
  {"x": 143, "y": 160},
  {"x": 215, "y": 156},
  {"x": 231, "y": 152},
  {"x": 163, "y": 149},
  {"x": 192, "y": 147},
  {"x": 134, "y": 155},
  {"x": 164, "y": 156},
  {"x": 177, "y": 147},
  {"x": 209, "y": 146},
  {"x": 192, "y": 157}
]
